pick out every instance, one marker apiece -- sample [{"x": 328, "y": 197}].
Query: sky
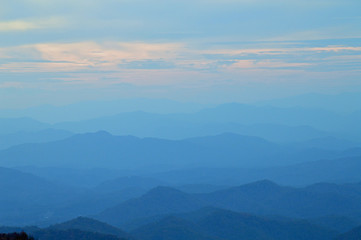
[{"x": 65, "y": 51}]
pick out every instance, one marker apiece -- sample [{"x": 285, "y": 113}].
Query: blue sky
[{"x": 60, "y": 52}]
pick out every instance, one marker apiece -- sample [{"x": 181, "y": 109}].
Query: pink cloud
[{"x": 252, "y": 64}]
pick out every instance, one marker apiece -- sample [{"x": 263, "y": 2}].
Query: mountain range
[
  {"x": 278, "y": 124},
  {"x": 103, "y": 150},
  {"x": 261, "y": 198},
  {"x": 140, "y": 169},
  {"x": 203, "y": 224}
]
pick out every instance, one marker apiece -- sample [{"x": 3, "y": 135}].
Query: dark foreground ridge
[{"x": 15, "y": 236}]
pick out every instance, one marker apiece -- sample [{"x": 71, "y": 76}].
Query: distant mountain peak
[
  {"x": 90, "y": 225},
  {"x": 99, "y": 136},
  {"x": 162, "y": 190},
  {"x": 261, "y": 186},
  {"x": 99, "y": 133},
  {"x": 263, "y": 183},
  {"x": 82, "y": 219},
  {"x": 76, "y": 222}
]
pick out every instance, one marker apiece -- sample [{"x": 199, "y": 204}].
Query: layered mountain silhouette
[
  {"x": 267, "y": 198},
  {"x": 132, "y": 183},
  {"x": 354, "y": 234},
  {"x": 42, "y": 136},
  {"x": 14, "y": 125},
  {"x": 343, "y": 102},
  {"x": 339, "y": 170},
  {"x": 95, "y": 109},
  {"x": 205, "y": 223},
  {"x": 80, "y": 228},
  {"x": 221, "y": 224},
  {"x": 279, "y": 124},
  {"x": 172, "y": 228},
  {"x": 261, "y": 198},
  {"x": 168, "y": 175},
  {"x": 29, "y": 199},
  {"x": 167, "y": 213},
  {"x": 102, "y": 149},
  {"x": 90, "y": 225},
  {"x": 178, "y": 126},
  {"x": 273, "y": 123},
  {"x": 158, "y": 201}
]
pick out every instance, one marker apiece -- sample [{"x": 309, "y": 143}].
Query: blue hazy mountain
[
  {"x": 199, "y": 188},
  {"x": 54, "y": 234},
  {"x": 328, "y": 142},
  {"x": 212, "y": 223},
  {"x": 204, "y": 224},
  {"x": 295, "y": 116},
  {"x": 340, "y": 224},
  {"x": 95, "y": 109},
  {"x": 273, "y": 123},
  {"x": 27, "y": 199},
  {"x": 354, "y": 234},
  {"x": 143, "y": 124},
  {"x": 91, "y": 203},
  {"x": 273, "y": 132},
  {"x": 78, "y": 177},
  {"x": 260, "y": 198},
  {"x": 106, "y": 195},
  {"x": 132, "y": 182},
  {"x": 72, "y": 234},
  {"x": 198, "y": 154},
  {"x": 14, "y": 125},
  {"x": 42, "y": 136},
  {"x": 172, "y": 228},
  {"x": 158, "y": 201},
  {"x": 89, "y": 225},
  {"x": 339, "y": 170},
  {"x": 104, "y": 150},
  {"x": 50, "y": 203},
  {"x": 343, "y": 103},
  {"x": 268, "y": 198}
]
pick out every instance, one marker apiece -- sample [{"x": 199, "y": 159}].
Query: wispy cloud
[
  {"x": 31, "y": 24},
  {"x": 10, "y": 85},
  {"x": 18, "y": 25},
  {"x": 191, "y": 44},
  {"x": 85, "y": 55},
  {"x": 279, "y": 51},
  {"x": 95, "y": 54},
  {"x": 252, "y": 64},
  {"x": 148, "y": 63}
]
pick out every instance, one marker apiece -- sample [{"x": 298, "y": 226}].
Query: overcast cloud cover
[{"x": 201, "y": 50}]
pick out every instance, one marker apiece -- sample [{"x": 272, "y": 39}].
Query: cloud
[
  {"x": 279, "y": 51},
  {"x": 333, "y": 49},
  {"x": 335, "y": 31},
  {"x": 29, "y": 67},
  {"x": 170, "y": 63},
  {"x": 10, "y": 85},
  {"x": 252, "y": 64},
  {"x": 115, "y": 52},
  {"x": 143, "y": 77},
  {"x": 18, "y": 25},
  {"x": 31, "y": 24},
  {"x": 53, "y": 57}
]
